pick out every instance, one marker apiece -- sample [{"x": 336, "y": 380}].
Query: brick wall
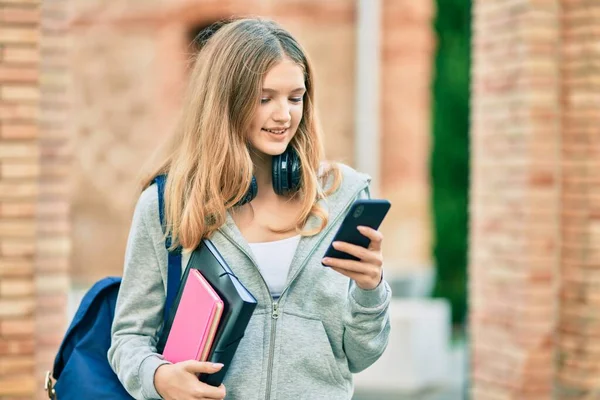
[
  {"x": 34, "y": 241},
  {"x": 406, "y": 62},
  {"x": 19, "y": 151},
  {"x": 534, "y": 258},
  {"x": 577, "y": 373},
  {"x": 53, "y": 244},
  {"x": 515, "y": 207}
]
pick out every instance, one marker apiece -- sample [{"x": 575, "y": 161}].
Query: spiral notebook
[{"x": 195, "y": 323}]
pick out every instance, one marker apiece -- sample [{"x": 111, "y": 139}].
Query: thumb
[{"x": 201, "y": 367}]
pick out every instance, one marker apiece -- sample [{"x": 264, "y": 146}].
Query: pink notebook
[{"x": 196, "y": 321}]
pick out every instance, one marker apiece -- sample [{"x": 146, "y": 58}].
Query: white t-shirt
[{"x": 274, "y": 260}]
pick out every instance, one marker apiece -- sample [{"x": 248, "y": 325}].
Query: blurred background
[{"x": 479, "y": 121}]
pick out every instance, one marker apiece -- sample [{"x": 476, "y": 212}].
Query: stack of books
[{"x": 210, "y": 313}]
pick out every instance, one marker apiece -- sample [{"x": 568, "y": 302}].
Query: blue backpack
[{"x": 81, "y": 369}]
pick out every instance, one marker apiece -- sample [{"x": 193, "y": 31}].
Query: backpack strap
[{"x": 174, "y": 257}]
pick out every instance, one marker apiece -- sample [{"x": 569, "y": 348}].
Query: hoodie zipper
[
  {"x": 275, "y": 305},
  {"x": 274, "y": 315}
]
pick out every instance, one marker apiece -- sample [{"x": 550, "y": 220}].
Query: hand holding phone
[
  {"x": 364, "y": 212},
  {"x": 352, "y": 252}
]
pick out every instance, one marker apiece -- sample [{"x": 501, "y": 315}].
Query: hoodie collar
[{"x": 353, "y": 183}]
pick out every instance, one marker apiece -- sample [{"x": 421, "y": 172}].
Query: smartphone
[{"x": 363, "y": 212}]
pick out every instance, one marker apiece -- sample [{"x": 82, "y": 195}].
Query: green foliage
[{"x": 450, "y": 156}]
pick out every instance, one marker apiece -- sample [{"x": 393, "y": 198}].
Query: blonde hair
[{"x": 208, "y": 161}]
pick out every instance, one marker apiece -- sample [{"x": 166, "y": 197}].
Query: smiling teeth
[{"x": 276, "y": 132}]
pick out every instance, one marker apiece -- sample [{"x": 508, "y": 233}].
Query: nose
[{"x": 282, "y": 113}]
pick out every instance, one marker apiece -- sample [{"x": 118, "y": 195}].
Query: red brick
[
  {"x": 22, "y": 2},
  {"x": 52, "y": 264},
  {"x": 17, "y": 327},
  {"x": 54, "y": 209},
  {"x": 17, "y": 248},
  {"x": 24, "y": 385},
  {"x": 14, "y": 15},
  {"x": 18, "y": 190},
  {"x": 16, "y": 346},
  {"x": 16, "y": 288},
  {"x": 18, "y": 112},
  {"x": 49, "y": 284},
  {"x": 52, "y": 322},
  {"x": 15, "y": 267},
  {"x": 17, "y": 229},
  {"x": 20, "y": 55},
  {"x": 49, "y": 339},
  {"x": 17, "y": 209},
  {"x": 54, "y": 133},
  {"x": 13, "y": 170},
  {"x": 17, "y": 93},
  {"x": 18, "y": 131},
  {"x": 55, "y": 246},
  {"x": 57, "y": 79},
  {"x": 54, "y": 190},
  {"x": 57, "y": 170},
  {"x": 12, "y": 35},
  {"x": 51, "y": 302},
  {"x": 18, "y": 75},
  {"x": 15, "y": 365},
  {"x": 18, "y": 150},
  {"x": 56, "y": 227}
]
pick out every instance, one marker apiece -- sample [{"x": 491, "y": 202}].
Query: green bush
[{"x": 450, "y": 155}]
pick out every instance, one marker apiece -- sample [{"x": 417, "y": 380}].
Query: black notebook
[{"x": 238, "y": 302}]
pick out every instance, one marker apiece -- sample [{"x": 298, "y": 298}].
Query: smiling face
[{"x": 279, "y": 111}]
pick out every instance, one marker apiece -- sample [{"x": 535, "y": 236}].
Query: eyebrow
[{"x": 300, "y": 89}]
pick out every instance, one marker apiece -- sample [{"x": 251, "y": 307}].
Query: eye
[
  {"x": 264, "y": 100},
  {"x": 296, "y": 99}
]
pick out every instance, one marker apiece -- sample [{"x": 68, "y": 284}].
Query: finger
[
  {"x": 362, "y": 280},
  {"x": 375, "y": 236},
  {"x": 357, "y": 251},
  {"x": 198, "y": 367},
  {"x": 347, "y": 265},
  {"x": 350, "y": 274},
  {"x": 211, "y": 392}
]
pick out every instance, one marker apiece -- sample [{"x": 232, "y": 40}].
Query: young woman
[{"x": 250, "y": 100}]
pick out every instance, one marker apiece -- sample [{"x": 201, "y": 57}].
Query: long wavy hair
[{"x": 208, "y": 158}]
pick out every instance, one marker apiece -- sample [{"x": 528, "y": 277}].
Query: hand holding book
[{"x": 180, "y": 381}]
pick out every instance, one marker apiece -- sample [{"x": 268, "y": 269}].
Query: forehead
[{"x": 285, "y": 75}]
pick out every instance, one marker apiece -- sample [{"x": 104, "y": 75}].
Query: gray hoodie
[{"x": 305, "y": 345}]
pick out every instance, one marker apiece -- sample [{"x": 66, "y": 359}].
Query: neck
[{"x": 263, "y": 172}]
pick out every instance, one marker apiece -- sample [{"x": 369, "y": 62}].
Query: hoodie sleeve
[
  {"x": 138, "y": 313},
  {"x": 366, "y": 322}
]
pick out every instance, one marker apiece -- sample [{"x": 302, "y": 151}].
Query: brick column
[
  {"x": 34, "y": 242},
  {"x": 19, "y": 188},
  {"x": 515, "y": 192},
  {"x": 578, "y": 348},
  {"x": 53, "y": 213},
  {"x": 406, "y": 54}
]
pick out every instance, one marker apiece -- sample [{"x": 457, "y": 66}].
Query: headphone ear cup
[
  {"x": 251, "y": 193},
  {"x": 284, "y": 173},
  {"x": 294, "y": 168},
  {"x": 276, "y": 173}
]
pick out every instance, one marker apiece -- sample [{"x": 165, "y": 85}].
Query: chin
[{"x": 273, "y": 150}]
